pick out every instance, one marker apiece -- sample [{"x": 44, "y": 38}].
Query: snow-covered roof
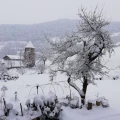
[
  {"x": 29, "y": 45},
  {"x": 16, "y": 57}
]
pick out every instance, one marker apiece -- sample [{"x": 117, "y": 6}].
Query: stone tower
[{"x": 29, "y": 55}]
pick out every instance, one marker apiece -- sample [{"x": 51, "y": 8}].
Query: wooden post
[
  {"x": 37, "y": 88},
  {"x": 5, "y": 109},
  {"x": 4, "y": 102},
  {"x": 21, "y": 109},
  {"x": 89, "y": 107},
  {"x": 97, "y": 103},
  {"x": 15, "y": 95}
]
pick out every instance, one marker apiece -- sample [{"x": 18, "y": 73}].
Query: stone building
[{"x": 29, "y": 55}]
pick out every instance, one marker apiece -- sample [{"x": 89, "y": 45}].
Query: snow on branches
[{"x": 79, "y": 55}]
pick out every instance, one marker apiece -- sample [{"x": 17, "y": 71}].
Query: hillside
[
  {"x": 17, "y": 35},
  {"x": 36, "y": 32}
]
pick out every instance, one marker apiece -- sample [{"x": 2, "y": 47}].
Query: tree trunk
[
  {"x": 85, "y": 84},
  {"x": 83, "y": 90},
  {"x": 44, "y": 61}
]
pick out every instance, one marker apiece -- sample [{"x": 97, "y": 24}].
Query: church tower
[{"x": 29, "y": 55}]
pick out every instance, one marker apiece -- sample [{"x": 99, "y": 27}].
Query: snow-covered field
[{"x": 109, "y": 88}]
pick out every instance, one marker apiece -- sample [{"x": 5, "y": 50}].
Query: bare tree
[
  {"x": 79, "y": 56},
  {"x": 43, "y": 55}
]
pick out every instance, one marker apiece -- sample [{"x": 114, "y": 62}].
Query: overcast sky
[{"x": 37, "y": 11}]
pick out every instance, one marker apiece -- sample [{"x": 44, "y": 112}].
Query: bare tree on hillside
[{"x": 79, "y": 56}]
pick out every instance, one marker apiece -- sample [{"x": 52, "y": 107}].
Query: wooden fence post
[{"x": 21, "y": 109}]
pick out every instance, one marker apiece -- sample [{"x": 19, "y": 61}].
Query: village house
[{"x": 13, "y": 61}]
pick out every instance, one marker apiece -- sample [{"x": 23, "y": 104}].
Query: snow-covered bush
[
  {"x": 101, "y": 101},
  {"x": 104, "y": 102},
  {"x": 4, "y": 75},
  {"x": 65, "y": 102},
  {"x": 40, "y": 67},
  {"x": 47, "y": 106},
  {"x": 28, "y": 103},
  {"x": 3, "y": 89},
  {"x": 115, "y": 77},
  {"x": 3, "y": 69},
  {"x": 7, "y": 77},
  {"x": 98, "y": 102},
  {"x": 9, "y": 106},
  {"x": 37, "y": 102},
  {"x": 72, "y": 102},
  {"x": 22, "y": 70},
  {"x": 9, "y": 110}
]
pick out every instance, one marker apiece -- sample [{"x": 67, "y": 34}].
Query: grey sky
[{"x": 37, "y": 11}]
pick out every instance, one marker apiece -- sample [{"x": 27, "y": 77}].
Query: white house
[{"x": 13, "y": 61}]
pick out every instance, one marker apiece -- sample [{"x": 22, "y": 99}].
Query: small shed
[{"x": 13, "y": 61}]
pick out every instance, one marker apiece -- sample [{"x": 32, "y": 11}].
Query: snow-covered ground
[
  {"x": 94, "y": 114},
  {"x": 109, "y": 88}
]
